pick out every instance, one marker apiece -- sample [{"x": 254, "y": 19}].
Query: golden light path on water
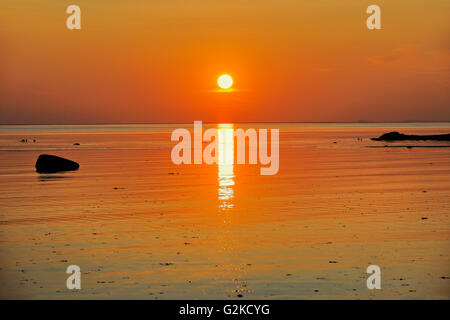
[{"x": 225, "y": 165}]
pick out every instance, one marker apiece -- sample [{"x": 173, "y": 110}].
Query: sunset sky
[{"x": 158, "y": 61}]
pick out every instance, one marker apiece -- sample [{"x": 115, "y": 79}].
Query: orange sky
[{"x": 158, "y": 61}]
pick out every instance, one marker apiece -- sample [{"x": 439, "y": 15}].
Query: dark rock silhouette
[
  {"x": 50, "y": 164},
  {"x": 396, "y": 136}
]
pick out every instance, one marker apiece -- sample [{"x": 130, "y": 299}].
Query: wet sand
[{"x": 141, "y": 227}]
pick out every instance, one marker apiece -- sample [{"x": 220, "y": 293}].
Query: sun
[{"x": 225, "y": 81}]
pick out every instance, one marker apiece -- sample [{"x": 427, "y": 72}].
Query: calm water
[{"x": 141, "y": 227}]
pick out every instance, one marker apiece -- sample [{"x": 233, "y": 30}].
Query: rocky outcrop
[
  {"x": 50, "y": 164},
  {"x": 396, "y": 136}
]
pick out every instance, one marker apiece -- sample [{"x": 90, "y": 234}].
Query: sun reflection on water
[{"x": 225, "y": 165}]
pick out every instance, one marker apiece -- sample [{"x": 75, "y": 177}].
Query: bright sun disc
[{"x": 225, "y": 81}]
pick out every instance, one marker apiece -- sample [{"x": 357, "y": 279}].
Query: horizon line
[{"x": 212, "y": 122}]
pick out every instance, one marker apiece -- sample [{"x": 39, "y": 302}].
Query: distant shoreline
[
  {"x": 208, "y": 122},
  {"x": 408, "y": 147}
]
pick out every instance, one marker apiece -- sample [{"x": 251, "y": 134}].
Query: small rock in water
[
  {"x": 50, "y": 164},
  {"x": 76, "y": 144}
]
